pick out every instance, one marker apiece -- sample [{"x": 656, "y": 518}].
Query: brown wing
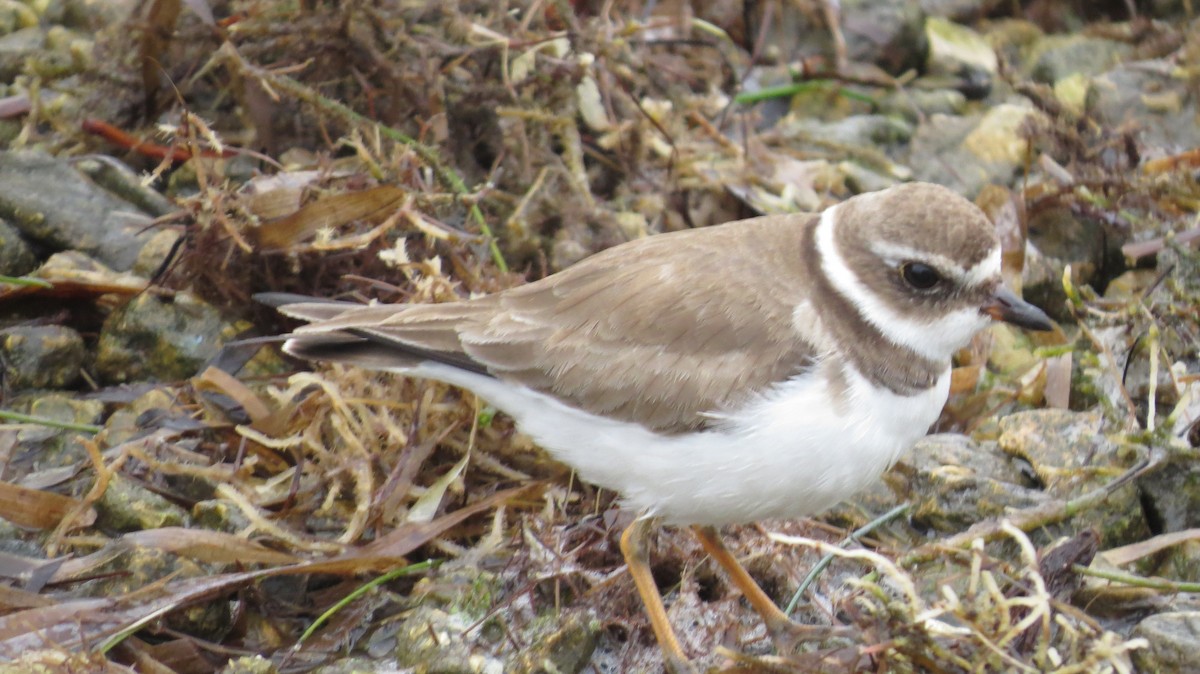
[{"x": 658, "y": 331}]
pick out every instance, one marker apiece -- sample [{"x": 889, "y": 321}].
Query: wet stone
[
  {"x": 1071, "y": 455},
  {"x": 887, "y": 34},
  {"x": 126, "y": 506},
  {"x": 855, "y": 131},
  {"x": 1174, "y": 642},
  {"x": 955, "y": 482},
  {"x": 151, "y": 338},
  {"x": 957, "y": 50},
  {"x": 133, "y": 568},
  {"x": 1129, "y": 94},
  {"x": 16, "y": 255},
  {"x": 42, "y": 356},
  {"x": 568, "y": 649},
  {"x": 1181, "y": 562},
  {"x": 1060, "y": 56},
  {"x": 76, "y": 214},
  {"x": 156, "y": 251},
  {"x": 250, "y": 664},
  {"x": 1172, "y": 493},
  {"x": 124, "y": 182},
  {"x": 46, "y": 446},
  {"x": 430, "y": 641},
  {"x": 966, "y": 153},
  {"x": 964, "y": 10},
  {"x": 219, "y": 515},
  {"x": 914, "y": 103},
  {"x": 18, "y": 46}
]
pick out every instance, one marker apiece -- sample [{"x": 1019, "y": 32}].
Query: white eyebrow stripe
[
  {"x": 985, "y": 270},
  {"x": 979, "y": 274}
]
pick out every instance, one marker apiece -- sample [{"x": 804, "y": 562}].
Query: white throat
[{"x": 936, "y": 338}]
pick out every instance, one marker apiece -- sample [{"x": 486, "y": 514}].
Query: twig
[
  {"x": 1137, "y": 581},
  {"x": 852, "y": 538},
  {"x": 50, "y": 423},
  {"x": 1030, "y": 518}
]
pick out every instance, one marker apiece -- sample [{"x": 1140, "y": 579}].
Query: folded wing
[{"x": 660, "y": 332}]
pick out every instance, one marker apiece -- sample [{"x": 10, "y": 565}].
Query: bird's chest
[{"x": 818, "y": 439}]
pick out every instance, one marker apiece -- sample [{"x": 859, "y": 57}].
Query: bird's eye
[{"x": 919, "y": 276}]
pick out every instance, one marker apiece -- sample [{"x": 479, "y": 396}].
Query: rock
[
  {"x": 1013, "y": 40},
  {"x": 126, "y": 506},
  {"x": 955, "y": 10},
  {"x": 132, "y": 569},
  {"x": 913, "y": 102},
  {"x": 128, "y": 421},
  {"x": 1071, "y": 455},
  {"x": 219, "y": 515},
  {"x": 16, "y": 255},
  {"x": 54, "y": 661},
  {"x": 55, "y": 205},
  {"x": 76, "y": 268},
  {"x": 1042, "y": 284},
  {"x": 46, "y": 446},
  {"x": 1057, "y": 57},
  {"x": 1129, "y": 94},
  {"x": 997, "y": 139},
  {"x": 1181, "y": 9},
  {"x": 1130, "y": 285},
  {"x": 249, "y": 664},
  {"x": 88, "y": 15},
  {"x": 959, "y": 51},
  {"x": 156, "y": 251},
  {"x": 887, "y": 34},
  {"x": 568, "y": 649},
  {"x": 430, "y": 641},
  {"x": 42, "y": 356},
  {"x": 966, "y": 153},
  {"x": 14, "y": 15},
  {"x": 1172, "y": 493},
  {"x": 859, "y": 131},
  {"x": 152, "y": 338},
  {"x": 65, "y": 53},
  {"x": 1180, "y": 562},
  {"x": 883, "y": 34},
  {"x": 122, "y": 181},
  {"x": 350, "y": 665},
  {"x": 1173, "y": 642},
  {"x": 16, "y": 48},
  {"x": 1011, "y": 352},
  {"x": 955, "y": 482},
  {"x": 1072, "y": 93}
]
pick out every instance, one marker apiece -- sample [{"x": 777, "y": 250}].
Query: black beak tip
[
  {"x": 1006, "y": 306},
  {"x": 1038, "y": 322}
]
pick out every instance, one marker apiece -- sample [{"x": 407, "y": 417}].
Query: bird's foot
[
  {"x": 788, "y": 635},
  {"x": 679, "y": 665}
]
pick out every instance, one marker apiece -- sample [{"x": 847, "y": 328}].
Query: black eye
[{"x": 919, "y": 276}]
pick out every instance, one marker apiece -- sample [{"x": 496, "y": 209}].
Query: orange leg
[
  {"x": 771, "y": 615},
  {"x": 633, "y": 546},
  {"x": 785, "y": 633}
]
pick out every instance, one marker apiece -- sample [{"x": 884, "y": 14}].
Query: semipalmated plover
[{"x": 770, "y": 367}]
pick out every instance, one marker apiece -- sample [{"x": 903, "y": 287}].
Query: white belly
[{"x": 789, "y": 453}]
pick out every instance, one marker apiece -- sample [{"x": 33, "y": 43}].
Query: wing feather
[{"x": 661, "y": 331}]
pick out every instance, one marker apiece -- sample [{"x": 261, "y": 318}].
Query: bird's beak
[{"x": 1005, "y": 306}]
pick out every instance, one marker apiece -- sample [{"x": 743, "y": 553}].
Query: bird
[{"x": 765, "y": 368}]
